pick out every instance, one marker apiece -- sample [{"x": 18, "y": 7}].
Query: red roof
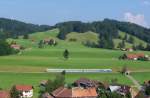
[
  {"x": 4, "y": 94},
  {"x": 24, "y": 87},
  {"x": 132, "y": 56}
]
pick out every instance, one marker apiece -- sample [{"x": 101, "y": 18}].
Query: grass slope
[
  {"x": 83, "y": 37},
  {"x": 34, "y": 59}
]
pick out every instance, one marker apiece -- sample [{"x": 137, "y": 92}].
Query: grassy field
[
  {"x": 141, "y": 76},
  {"x": 33, "y": 59},
  {"x": 40, "y": 59}
]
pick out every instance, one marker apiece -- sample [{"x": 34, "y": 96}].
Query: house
[
  {"x": 84, "y": 82},
  {"x": 133, "y": 56},
  {"x": 4, "y": 94},
  {"x": 75, "y": 92},
  {"x": 15, "y": 46},
  {"x": 129, "y": 49},
  {"x": 120, "y": 89},
  {"x": 26, "y": 91}
]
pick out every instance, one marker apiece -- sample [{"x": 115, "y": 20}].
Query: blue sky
[{"x": 54, "y": 11}]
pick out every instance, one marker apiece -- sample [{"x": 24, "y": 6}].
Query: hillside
[
  {"x": 14, "y": 28},
  {"x": 30, "y": 64},
  {"x": 106, "y": 28},
  {"x": 72, "y": 39}
]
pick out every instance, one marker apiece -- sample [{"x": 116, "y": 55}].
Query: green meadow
[{"x": 29, "y": 66}]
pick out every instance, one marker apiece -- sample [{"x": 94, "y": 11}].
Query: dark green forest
[{"x": 13, "y": 28}]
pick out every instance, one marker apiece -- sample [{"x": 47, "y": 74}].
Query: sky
[{"x": 53, "y": 11}]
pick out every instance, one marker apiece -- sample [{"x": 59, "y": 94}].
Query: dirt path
[{"x": 135, "y": 82}]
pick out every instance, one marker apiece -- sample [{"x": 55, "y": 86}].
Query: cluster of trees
[
  {"x": 52, "y": 85},
  {"x": 51, "y": 42},
  {"x": 104, "y": 93},
  {"x": 5, "y": 48},
  {"x": 113, "y": 95},
  {"x": 13, "y": 28}
]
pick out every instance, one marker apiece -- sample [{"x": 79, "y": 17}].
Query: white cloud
[
  {"x": 137, "y": 19},
  {"x": 146, "y": 2}
]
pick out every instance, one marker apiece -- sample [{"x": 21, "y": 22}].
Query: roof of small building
[
  {"x": 93, "y": 83},
  {"x": 24, "y": 87}
]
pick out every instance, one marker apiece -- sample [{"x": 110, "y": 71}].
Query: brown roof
[
  {"x": 91, "y": 83},
  {"x": 4, "y": 94},
  {"x": 74, "y": 92},
  {"x": 24, "y": 87}
]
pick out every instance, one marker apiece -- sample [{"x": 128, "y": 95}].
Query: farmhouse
[
  {"x": 4, "y": 94},
  {"x": 25, "y": 90},
  {"x": 133, "y": 56},
  {"x": 15, "y": 46},
  {"x": 49, "y": 41},
  {"x": 75, "y": 92},
  {"x": 120, "y": 89},
  {"x": 127, "y": 49}
]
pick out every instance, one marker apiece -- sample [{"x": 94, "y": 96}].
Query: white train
[{"x": 80, "y": 70}]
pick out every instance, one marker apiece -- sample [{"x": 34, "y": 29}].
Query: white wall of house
[{"x": 27, "y": 94}]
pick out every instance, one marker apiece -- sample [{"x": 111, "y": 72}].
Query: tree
[
  {"x": 125, "y": 37},
  {"x": 14, "y": 93},
  {"x": 140, "y": 47},
  {"x": 5, "y": 48},
  {"x": 131, "y": 40},
  {"x": 66, "y": 54},
  {"x": 114, "y": 95},
  {"x": 121, "y": 44},
  {"x": 26, "y": 36},
  {"x": 40, "y": 44},
  {"x": 2, "y": 35},
  {"x": 57, "y": 82},
  {"x": 134, "y": 47},
  {"x": 124, "y": 69},
  {"x": 147, "y": 90},
  {"x": 128, "y": 95},
  {"x": 148, "y": 47}
]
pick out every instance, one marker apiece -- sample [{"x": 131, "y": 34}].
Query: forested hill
[
  {"x": 107, "y": 29},
  {"x": 13, "y": 28}
]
